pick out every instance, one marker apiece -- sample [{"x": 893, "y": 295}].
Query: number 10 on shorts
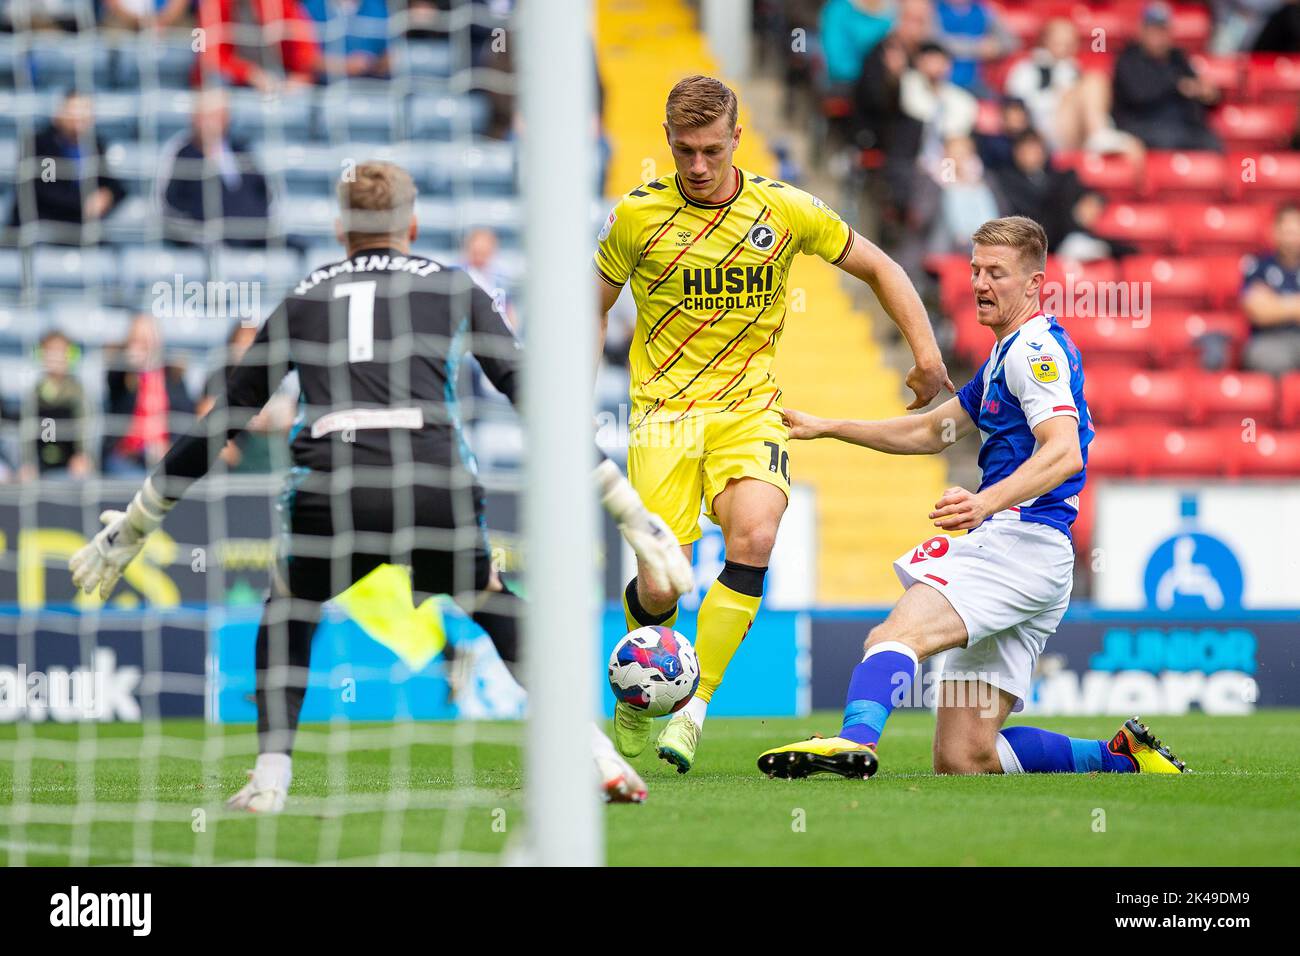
[{"x": 780, "y": 459}]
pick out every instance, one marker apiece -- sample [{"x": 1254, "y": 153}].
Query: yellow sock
[
  {"x": 724, "y": 620},
  {"x": 630, "y": 618}
]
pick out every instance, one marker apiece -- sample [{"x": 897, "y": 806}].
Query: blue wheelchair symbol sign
[{"x": 1193, "y": 572}]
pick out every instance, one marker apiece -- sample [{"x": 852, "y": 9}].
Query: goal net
[{"x": 152, "y": 225}]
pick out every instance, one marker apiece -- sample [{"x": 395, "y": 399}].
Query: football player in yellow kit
[{"x": 707, "y": 252}]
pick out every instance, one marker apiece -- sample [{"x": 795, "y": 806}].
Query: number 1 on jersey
[{"x": 361, "y": 319}]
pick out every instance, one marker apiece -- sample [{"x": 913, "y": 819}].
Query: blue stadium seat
[
  {"x": 61, "y": 61},
  {"x": 274, "y": 269},
  {"x": 135, "y": 164},
  {"x": 165, "y": 113},
  {"x": 276, "y": 118},
  {"x": 365, "y": 112},
  {"x": 69, "y": 269},
  {"x": 483, "y": 167},
  {"x": 321, "y": 254},
  {"x": 446, "y": 117},
  {"x": 91, "y": 324},
  {"x": 117, "y": 115},
  {"x": 11, "y": 268},
  {"x": 133, "y": 220},
  {"x": 24, "y": 112},
  {"x": 142, "y": 266},
  {"x": 422, "y": 60},
  {"x": 140, "y": 61},
  {"x": 9, "y": 60},
  {"x": 306, "y": 171},
  {"x": 308, "y": 218},
  {"x": 18, "y": 376}
]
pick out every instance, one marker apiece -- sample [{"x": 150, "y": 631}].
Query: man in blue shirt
[
  {"x": 1270, "y": 297},
  {"x": 994, "y": 596}
]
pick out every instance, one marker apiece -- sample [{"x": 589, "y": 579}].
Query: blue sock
[
  {"x": 1041, "y": 751},
  {"x": 883, "y": 678}
]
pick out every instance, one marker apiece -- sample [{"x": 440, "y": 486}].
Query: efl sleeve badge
[{"x": 1044, "y": 367}]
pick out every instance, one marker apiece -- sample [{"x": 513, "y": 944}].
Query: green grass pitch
[{"x": 156, "y": 798}]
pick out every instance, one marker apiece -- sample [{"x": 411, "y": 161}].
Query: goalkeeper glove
[
  {"x": 647, "y": 533},
  {"x": 101, "y": 562}
]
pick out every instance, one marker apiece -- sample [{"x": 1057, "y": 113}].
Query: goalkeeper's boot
[
  {"x": 259, "y": 795},
  {"x": 678, "y": 741},
  {"x": 848, "y": 758},
  {"x": 1146, "y": 751},
  {"x": 631, "y": 729},
  {"x": 619, "y": 782}
]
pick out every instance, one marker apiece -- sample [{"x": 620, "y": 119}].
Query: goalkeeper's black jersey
[{"x": 376, "y": 340}]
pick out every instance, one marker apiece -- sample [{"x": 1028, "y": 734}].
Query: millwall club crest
[{"x": 762, "y": 237}]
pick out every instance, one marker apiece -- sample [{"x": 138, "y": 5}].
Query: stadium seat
[
  {"x": 18, "y": 376},
  {"x": 1161, "y": 451},
  {"x": 1236, "y": 399},
  {"x": 1149, "y": 226},
  {"x": 482, "y": 167},
  {"x": 1220, "y": 229},
  {"x": 143, "y": 266},
  {"x": 165, "y": 113},
  {"x": 274, "y": 270},
  {"x": 1272, "y": 454},
  {"x": 1273, "y": 77},
  {"x": 1179, "y": 175},
  {"x": 1267, "y": 177},
  {"x": 356, "y": 111},
  {"x": 149, "y": 61},
  {"x": 285, "y": 118},
  {"x": 1180, "y": 335},
  {"x": 422, "y": 60},
  {"x": 1225, "y": 72},
  {"x": 61, "y": 61},
  {"x": 446, "y": 117},
  {"x": 67, "y": 269},
  {"x": 1139, "y": 397},
  {"x": 1110, "y": 452},
  {"x": 1113, "y": 342},
  {"x": 22, "y": 113},
  {"x": 1190, "y": 26},
  {"x": 1255, "y": 126},
  {"x": 1115, "y": 23},
  {"x": 1191, "y": 282},
  {"x": 11, "y": 269},
  {"x": 1113, "y": 174},
  {"x": 1289, "y": 389},
  {"x": 90, "y": 323},
  {"x": 310, "y": 218}
]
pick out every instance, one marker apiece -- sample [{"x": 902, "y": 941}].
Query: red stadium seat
[
  {"x": 1111, "y": 450},
  {"x": 1190, "y": 27},
  {"x": 1192, "y": 282},
  {"x": 1178, "y": 332},
  {"x": 996, "y": 71},
  {"x": 1223, "y": 228},
  {"x": 1070, "y": 290},
  {"x": 1119, "y": 342},
  {"x": 1237, "y": 399},
  {"x": 1026, "y": 23},
  {"x": 1149, "y": 226},
  {"x": 1117, "y": 176},
  {"x": 1117, "y": 25},
  {"x": 1178, "y": 175},
  {"x": 1289, "y": 388},
  {"x": 1225, "y": 72},
  {"x": 1142, "y": 397},
  {"x": 1180, "y": 452},
  {"x": 1267, "y": 177},
  {"x": 1273, "y": 454},
  {"x": 1273, "y": 77},
  {"x": 1096, "y": 61},
  {"x": 1254, "y": 127}
]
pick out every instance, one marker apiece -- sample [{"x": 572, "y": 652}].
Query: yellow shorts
[{"x": 677, "y": 466}]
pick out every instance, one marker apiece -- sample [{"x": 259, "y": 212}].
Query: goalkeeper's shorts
[
  {"x": 329, "y": 542},
  {"x": 677, "y": 466}
]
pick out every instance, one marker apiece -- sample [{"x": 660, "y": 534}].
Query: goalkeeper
[{"x": 381, "y": 472}]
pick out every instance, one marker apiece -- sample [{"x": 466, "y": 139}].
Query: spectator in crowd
[
  {"x": 1270, "y": 297},
  {"x": 1031, "y": 187},
  {"x": 928, "y": 96},
  {"x": 850, "y": 30},
  {"x": 1238, "y": 23},
  {"x": 146, "y": 401},
  {"x": 144, "y": 14},
  {"x": 55, "y": 431},
  {"x": 251, "y": 451},
  {"x": 209, "y": 186},
  {"x": 1281, "y": 31},
  {"x": 478, "y": 257},
  {"x": 353, "y": 37},
  {"x": 973, "y": 35},
  {"x": 995, "y": 148},
  {"x": 1081, "y": 242},
  {"x": 966, "y": 201},
  {"x": 80, "y": 192},
  {"x": 1158, "y": 96},
  {"x": 268, "y": 45},
  {"x": 877, "y": 113}
]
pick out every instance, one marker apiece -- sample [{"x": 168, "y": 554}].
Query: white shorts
[{"x": 1009, "y": 581}]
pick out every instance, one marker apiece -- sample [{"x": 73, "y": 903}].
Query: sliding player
[
  {"x": 707, "y": 253},
  {"x": 381, "y": 471},
  {"x": 994, "y": 596}
]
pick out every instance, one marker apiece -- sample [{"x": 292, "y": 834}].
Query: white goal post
[{"x": 557, "y": 177}]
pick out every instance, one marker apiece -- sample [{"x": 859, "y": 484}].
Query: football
[{"x": 655, "y": 670}]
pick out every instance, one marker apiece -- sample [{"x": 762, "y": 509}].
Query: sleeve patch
[
  {"x": 1044, "y": 368},
  {"x": 609, "y": 224}
]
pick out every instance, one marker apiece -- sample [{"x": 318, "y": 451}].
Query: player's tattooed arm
[
  {"x": 866, "y": 261},
  {"x": 1057, "y": 458},
  {"x": 926, "y": 434}
]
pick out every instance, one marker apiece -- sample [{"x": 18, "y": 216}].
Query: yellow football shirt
[{"x": 709, "y": 282}]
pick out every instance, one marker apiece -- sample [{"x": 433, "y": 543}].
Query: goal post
[{"x": 557, "y": 177}]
